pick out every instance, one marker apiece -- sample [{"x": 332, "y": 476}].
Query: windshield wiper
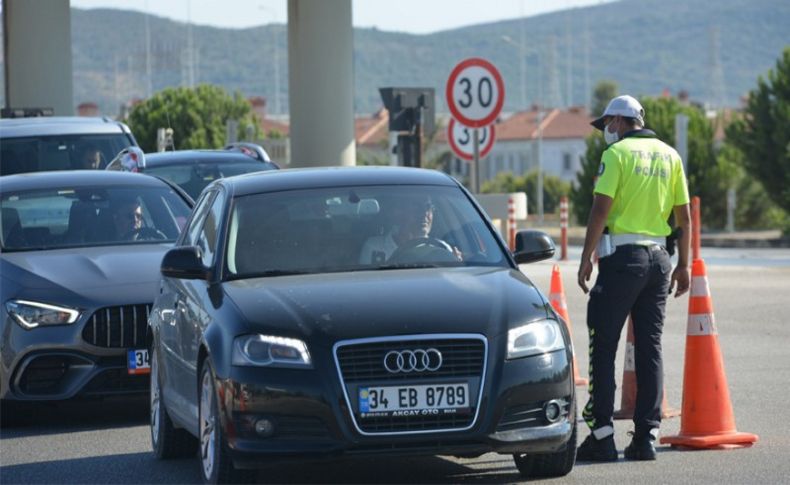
[
  {"x": 406, "y": 266},
  {"x": 268, "y": 273}
]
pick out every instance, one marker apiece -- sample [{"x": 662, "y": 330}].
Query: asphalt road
[{"x": 108, "y": 441}]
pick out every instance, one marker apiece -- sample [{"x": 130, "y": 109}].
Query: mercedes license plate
[
  {"x": 419, "y": 400},
  {"x": 138, "y": 362}
]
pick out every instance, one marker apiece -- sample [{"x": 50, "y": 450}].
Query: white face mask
[{"x": 608, "y": 135}]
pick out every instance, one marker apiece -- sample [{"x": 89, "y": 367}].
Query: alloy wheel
[{"x": 155, "y": 398}]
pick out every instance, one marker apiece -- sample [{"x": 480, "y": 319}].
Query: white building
[{"x": 561, "y": 137}]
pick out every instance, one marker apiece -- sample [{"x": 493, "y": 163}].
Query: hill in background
[{"x": 713, "y": 50}]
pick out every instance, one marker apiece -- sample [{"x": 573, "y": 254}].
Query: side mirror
[
  {"x": 184, "y": 263},
  {"x": 533, "y": 246}
]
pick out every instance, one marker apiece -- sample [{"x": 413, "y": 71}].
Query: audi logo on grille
[{"x": 420, "y": 360}]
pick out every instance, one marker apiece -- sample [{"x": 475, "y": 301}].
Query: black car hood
[
  {"x": 108, "y": 274},
  {"x": 339, "y": 306}
]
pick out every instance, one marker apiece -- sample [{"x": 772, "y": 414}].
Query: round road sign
[
  {"x": 475, "y": 92},
  {"x": 460, "y": 139}
]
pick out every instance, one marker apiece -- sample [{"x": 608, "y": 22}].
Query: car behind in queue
[
  {"x": 79, "y": 260},
  {"x": 193, "y": 170}
]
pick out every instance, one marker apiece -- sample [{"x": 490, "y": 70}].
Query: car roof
[
  {"x": 305, "y": 178},
  {"x": 76, "y": 178},
  {"x": 181, "y": 157},
  {"x": 58, "y": 125}
]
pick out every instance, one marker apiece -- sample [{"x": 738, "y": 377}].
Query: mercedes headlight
[
  {"x": 534, "y": 338},
  {"x": 31, "y": 314},
  {"x": 268, "y": 350}
]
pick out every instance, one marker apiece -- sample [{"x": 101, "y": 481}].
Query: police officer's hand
[
  {"x": 585, "y": 271},
  {"x": 682, "y": 277}
]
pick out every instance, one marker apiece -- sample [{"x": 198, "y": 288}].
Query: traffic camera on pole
[{"x": 411, "y": 113}]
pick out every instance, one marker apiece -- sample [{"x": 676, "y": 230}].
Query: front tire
[
  {"x": 166, "y": 440},
  {"x": 550, "y": 464},
  {"x": 216, "y": 466}
]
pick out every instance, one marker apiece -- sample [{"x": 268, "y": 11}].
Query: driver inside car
[
  {"x": 127, "y": 217},
  {"x": 412, "y": 219}
]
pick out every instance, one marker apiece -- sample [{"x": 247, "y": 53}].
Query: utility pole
[
  {"x": 276, "y": 72},
  {"x": 554, "y": 97},
  {"x": 540, "y": 140},
  {"x": 148, "y": 84},
  {"x": 568, "y": 62},
  {"x": 190, "y": 52},
  {"x": 276, "y": 56},
  {"x": 717, "y": 97},
  {"x": 587, "y": 87},
  {"x": 523, "y": 56}
]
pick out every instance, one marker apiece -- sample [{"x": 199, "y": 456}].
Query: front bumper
[
  {"x": 312, "y": 418},
  {"x": 56, "y": 363}
]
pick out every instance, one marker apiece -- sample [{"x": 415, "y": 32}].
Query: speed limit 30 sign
[
  {"x": 460, "y": 139},
  {"x": 475, "y": 92}
]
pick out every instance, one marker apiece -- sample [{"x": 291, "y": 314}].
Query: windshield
[
  {"x": 90, "y": 216},
  {"x": 357, "y": 228},
  {"x": 62, "y": 152},
  {"x": 193, "y": 176}
]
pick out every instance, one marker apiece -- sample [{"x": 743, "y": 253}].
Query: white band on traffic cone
[
  {"x": 703, "y": 324},
  {"x": 699, "y": 286},
  {"x": 557, "y": 297}
]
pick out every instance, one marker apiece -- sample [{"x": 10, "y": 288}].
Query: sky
[{"x": 413, "y": 16}]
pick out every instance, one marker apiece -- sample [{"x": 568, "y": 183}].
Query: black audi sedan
[
  {"x": 80, "y": 253},
  {"x": 322, "y": 312}
]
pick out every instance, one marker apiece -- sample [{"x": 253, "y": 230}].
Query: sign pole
[{"x": 476, "y": 154}]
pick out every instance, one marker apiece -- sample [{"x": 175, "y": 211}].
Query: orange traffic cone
[
  {"x": 557, "y": 300},
  {"x": 628, "y": 394},
  {"x": 707, "y": 420}
]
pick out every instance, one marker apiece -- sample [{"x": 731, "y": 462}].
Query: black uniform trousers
[{"x": 633, "y": 280}]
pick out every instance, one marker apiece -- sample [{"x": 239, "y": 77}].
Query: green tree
[
  {"x": 754, "y": 208},
  {"x": 603, "y": 92},
  {"x": 708, "y": 175},
  {"x": 553, "y": 188},
  {"x": 581, "y": 195},
  {"x": 763, "y": 134},
  {"x": 197, "y": 115}
]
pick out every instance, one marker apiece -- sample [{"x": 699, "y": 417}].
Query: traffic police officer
[{"x": 640, "y": 182}]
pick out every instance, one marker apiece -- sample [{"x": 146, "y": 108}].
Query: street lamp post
[
  {"x": 276, "y": 49},
  {"x": 523, "y": 57},
  {"x": 523, "y": 65}
]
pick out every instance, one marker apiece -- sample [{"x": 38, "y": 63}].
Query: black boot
[
  {"x": 641, "y": 448},
  {"x": 592, "y": 449}
]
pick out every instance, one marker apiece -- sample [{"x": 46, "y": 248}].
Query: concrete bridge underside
[{"x": 38, "y": 71}]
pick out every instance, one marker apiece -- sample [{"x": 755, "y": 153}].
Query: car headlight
[
  {"x": 534, "y": 338},
  {"x": 268, "y": 350},
  {"x": 31, "y": 314}
]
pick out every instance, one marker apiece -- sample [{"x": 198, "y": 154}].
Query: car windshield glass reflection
[
  {"x": 90, "y": 216},
  {"x": 357, "y": 228},
  {"x": 194, "y": 177},
  {"x": 65, "y": 152}
]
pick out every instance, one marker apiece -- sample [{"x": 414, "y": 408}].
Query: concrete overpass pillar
[
  {"x": 321, "y": 83},
  {"x": 37, "y": 53}
]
